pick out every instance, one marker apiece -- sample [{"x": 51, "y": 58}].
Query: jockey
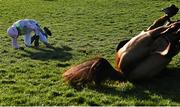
[{"x": 26, "y": 27}]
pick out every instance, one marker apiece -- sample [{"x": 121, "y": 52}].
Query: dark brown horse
[{"x": 141, "y": 57}]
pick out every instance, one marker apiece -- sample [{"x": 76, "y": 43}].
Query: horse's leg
[
  {"x": 159, "y": 22},
  {"x": 154, "y": 63},
  {"x": 149, "y": 67},
  {"x": 175, "y": 47},
  {"x": 165, "y": 30}
]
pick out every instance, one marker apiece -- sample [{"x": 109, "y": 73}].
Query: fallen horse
[{"x": 142, "y": 57}]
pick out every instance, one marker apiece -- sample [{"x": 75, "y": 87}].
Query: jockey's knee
[
  {"x": 27, "y": 43},
  {"x": 43, "y": 39}
]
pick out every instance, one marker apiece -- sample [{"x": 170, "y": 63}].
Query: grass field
[{"x": 81, "y": 29}]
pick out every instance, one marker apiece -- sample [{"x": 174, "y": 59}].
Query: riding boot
[
  {"x": 36, "y": 42},
  {"x": 33, "y": 38}
]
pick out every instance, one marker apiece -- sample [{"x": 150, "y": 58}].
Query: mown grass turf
[{"x": 81, "y": 29}]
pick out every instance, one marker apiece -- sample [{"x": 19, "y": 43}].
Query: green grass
[{"x": 81, "y": 29}]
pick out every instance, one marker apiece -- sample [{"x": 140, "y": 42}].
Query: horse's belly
[
  {"x": 160, "y": 45},
  {"x": 132, "y": 54},
  {"x": 150, "y": 67}
]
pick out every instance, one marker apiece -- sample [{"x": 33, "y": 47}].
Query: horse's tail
[{"x": 95, "y": 70}]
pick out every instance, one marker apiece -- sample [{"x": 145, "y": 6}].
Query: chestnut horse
[{"x": 141, "y": 57}]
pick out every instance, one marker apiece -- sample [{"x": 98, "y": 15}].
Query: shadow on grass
[
  {"x": 165, "y": 85},
  {"x": 53, "y": 53}
]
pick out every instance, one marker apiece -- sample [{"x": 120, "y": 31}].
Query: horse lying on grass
[{"x": 141, "y": 57}]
